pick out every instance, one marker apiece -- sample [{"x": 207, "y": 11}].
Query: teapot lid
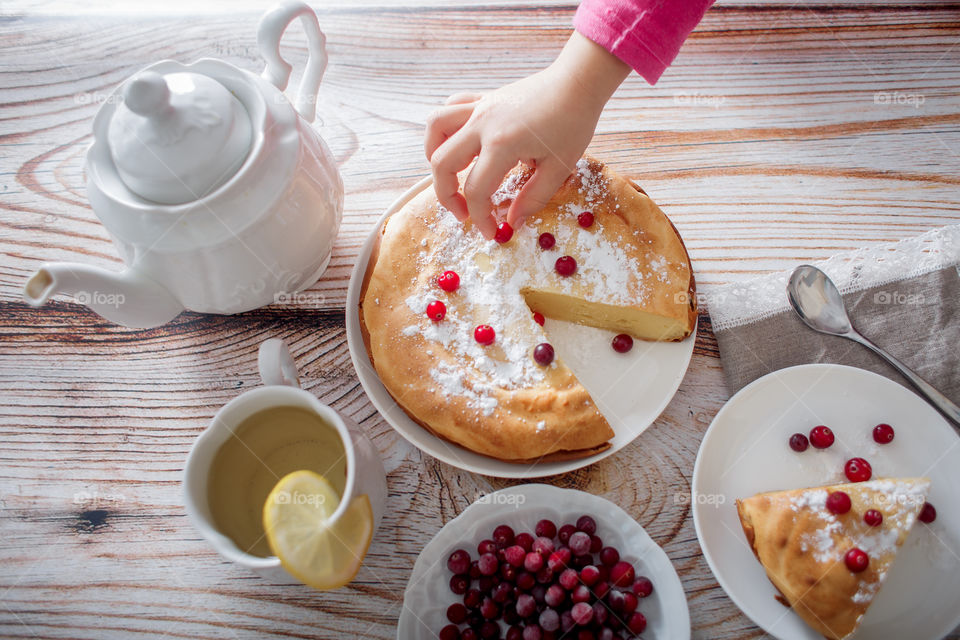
[{"x": 178, "y": 137}]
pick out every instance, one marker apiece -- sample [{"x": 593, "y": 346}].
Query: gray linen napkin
[{"x": 914, "y": 313}]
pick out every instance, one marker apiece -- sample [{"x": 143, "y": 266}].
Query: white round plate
[
  {"x": 428, "y": 594},
  {"x": 644, "y": 381},
  {"x": 745, "y": 451}
]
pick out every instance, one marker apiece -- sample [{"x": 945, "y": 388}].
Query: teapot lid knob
[
  {"x": 178, "y": 137},
  {"x": 147, "y": 95}
]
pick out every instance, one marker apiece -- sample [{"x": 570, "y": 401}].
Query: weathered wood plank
[{"x": 783, "y": 132}]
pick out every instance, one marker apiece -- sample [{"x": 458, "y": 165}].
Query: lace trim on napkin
[{"x": 739, "y": 303}]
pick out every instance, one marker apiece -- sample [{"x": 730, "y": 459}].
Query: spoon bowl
[{"x": 815, "y": 298}]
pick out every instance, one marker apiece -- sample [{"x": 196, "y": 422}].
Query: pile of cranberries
[
  {"x": 554, "y": 583},
  {"x": 856, "y": 470}
]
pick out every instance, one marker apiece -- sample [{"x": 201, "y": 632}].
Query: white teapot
[{"x": 218, "y": 193}]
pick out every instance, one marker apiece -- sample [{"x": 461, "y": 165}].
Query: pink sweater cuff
[{"x": 646, "y": 34}]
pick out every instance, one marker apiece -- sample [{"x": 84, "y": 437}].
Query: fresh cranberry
[
  {"x": 565, "y": 266},
  {"x": 821, "y": 437},
  {"x": 473, "y": 598},
  {"x": 448, "y": 281},
  {"x": 459, "y": 584},
  {"x": 602, "y": 589},
  {"x": 609, "y": 556},
  {"x": 489, "y": 630},
  {"x": 856, "y": 560},
  {"x": 615, "y": 600},
  {"x": 475, "y": 570},
  {"x": 799, "y": 442},
  {"x": 585, "y": 219},
  {"x": 515, "y": 555},
  {"x": 622, "y": 343},
  {"x": 449, "y": 632},
  {"x": 539, "y": 319},
  {"x": 565, "y": 532},
  {"x": 508, "y": 572},
  {"x": 526, "y": 580},
  {"x": 545, "y": 575},
  {"x": 630, "y": 602},
  {"x": 587, "y": 524},
  {"x": 559, "y": 559},
  {"x": 503, "y": 536},
  {"x": 533, "y": 562},
  {"x": 600, "y": 612},
  {"x": 488, "y": 564},
  {"x": 622, "y": 574},
  {"x": 486, "y": 546},
  {"x": 486, "y": 583},
  {"x": 589, "y": 575},
  {"x": 928, "y": 513},
  {"x": 489, "y": 609},
  {"x": 873, "y": 517},
  {"x": 456, "y": 613},
  {"x": 857, "y": 470},
  {"x": 569, "y": 579},
  {"x": 532, "y": 632},
  {"x": 484, "y": 334},
  {"x": 555, "y": 595},
  {"x": 526, "y": 605},
  {"x": 604, "y": 573},
  {"x": 549, "y": 620},
  {"x": 883, "y": 433},
  {"x": 504, "y": 233},
  {"x": 636, "y": 622},
  {"x": 543, "y": 546},
  {"x": 580, "y": 593},
  {"x": 579, "y": 543},
  {"x": 543, "y": 354},
  {"x": 459, "y": 561},
  {"x": 546, "y": 241},
  {"x": 579, "y": 562},
  {"x": 643, "y": 587},
  {"x": 502, "y": 592},
  {"x": 582, "y": 613},
  {"x": 545, "y": 528},
  {"x": 525, "y": 540},
  {"x": 514, "y": 633},
  {"x": 436, "y": 310},
  {"x": 469, "y": 634},
  {"x": 838, "y": 502}
]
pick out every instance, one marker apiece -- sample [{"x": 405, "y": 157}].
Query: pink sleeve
[{"x": 646, "y": 34}]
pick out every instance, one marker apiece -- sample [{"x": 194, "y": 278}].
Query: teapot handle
[
  {"x": 277, "y": 72},
  {"x": 276, "y": 364}
]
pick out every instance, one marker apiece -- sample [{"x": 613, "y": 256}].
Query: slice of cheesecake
[{"x": 828, "y": 549}]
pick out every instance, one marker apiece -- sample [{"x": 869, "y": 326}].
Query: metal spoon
[{"x": 818, "y": 303}]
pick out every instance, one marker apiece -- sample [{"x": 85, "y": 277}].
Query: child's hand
[{"x": 545, "y": 121}]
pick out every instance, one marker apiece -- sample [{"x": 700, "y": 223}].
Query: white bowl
[{"x": 428, "y": 594}]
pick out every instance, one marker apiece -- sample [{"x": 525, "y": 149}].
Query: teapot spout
[{"x": 126, "y": 297}]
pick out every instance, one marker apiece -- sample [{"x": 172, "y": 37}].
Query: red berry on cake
[
  {"x": 856, "y": 560},
  {"x": 546, "y": 241},
  {"x": 484, "y": 334},
  {"x": 448, "y": 281},
  {"x": 838, "y": 502},
  {"x": 928, "y": 514},
  {"x": 436, "y": 310},
  {"x": 538, "y": 318},
  {"x": 873, "y": 517},
  {"x": 504, "y": 233},
  {"x": 857, "y": 470},
  {"x": 585, "y": 219},
  {"x": 565, "y": 266},
  {"x": 821, "y": 437},
  {"x": 543, "y": 354},
  {"x": 622, "y": 343},
  {"x": 883, "y": 433}
]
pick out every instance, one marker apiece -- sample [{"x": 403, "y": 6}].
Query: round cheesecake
[{"x": 631, "y": 275}]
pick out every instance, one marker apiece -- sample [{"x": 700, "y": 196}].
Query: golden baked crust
[
  {"x": 496, "y": 400},
  {"x": 801, "y": 545}
]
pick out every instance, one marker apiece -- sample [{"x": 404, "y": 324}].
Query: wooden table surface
[{"x": 784, "y": 132}]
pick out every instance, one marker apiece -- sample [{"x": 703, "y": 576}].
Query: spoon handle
[{"x": 932, "y": 395}]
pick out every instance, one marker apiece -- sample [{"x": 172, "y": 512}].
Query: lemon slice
[{"x": 296, "y": 518}]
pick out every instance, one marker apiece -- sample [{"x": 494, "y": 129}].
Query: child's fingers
[
  {"x": 446, "y": 162},
  {"x": 546, "y": 179},
  {"x": 463, "y": 97},
  {"x": 484, "y": 179},
  {"x": 443, "y": 123}
]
